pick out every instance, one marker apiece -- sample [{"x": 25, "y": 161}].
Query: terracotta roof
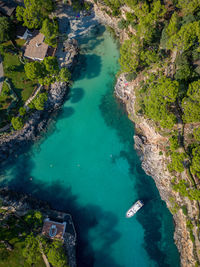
[
  {"x": 7, "y": 7},
  {"x": 36, "y": 48},
  {"x": 58, "y": 229}
]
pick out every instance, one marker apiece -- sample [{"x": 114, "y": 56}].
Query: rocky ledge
[
  {"x": 147, "y": 143},
  {"x": 39, "y": 119}
]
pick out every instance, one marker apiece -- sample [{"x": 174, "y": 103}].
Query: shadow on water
[
  {"x": 151, "y": 216},
  {"x": 92, "y": 217},
  {"x": 66, "y": 112},
  {"x": 76, "y": 95},
  {"x": 81, "y": 70}
]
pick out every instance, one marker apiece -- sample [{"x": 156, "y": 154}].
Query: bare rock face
[
  {"x": 147, "y": 144},
  {"x": 70, "y": 47},
  {"x": 105, "y": 19}
]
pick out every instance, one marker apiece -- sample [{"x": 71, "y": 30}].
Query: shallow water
[{"x": 86, "y": 165}]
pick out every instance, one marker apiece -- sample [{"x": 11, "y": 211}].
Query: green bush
[
  {"x": 131, "y": 76},
  {"x": 40, "y": 101},
  {"x": 184, "y": 209},
  {"x": 122, "y": 24},
  {"x": 196, "y": 134},
  {"x": 31, "y": 252},
  {"x": 22, "y": 111},
  {"x": 56, "y": 255},
  {"x": 17, "y": 123},
  {"x": 174, "y": 143},
  {"x": 177, "y": 160},
  {"x": 192, "y": 237}
]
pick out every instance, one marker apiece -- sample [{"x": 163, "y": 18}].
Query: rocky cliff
[{"x": 148, "y": 143}]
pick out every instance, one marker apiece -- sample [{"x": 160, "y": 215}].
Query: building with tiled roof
[
  {"x": 52, "y": 229},
  {"x": 36, "y": 49}
]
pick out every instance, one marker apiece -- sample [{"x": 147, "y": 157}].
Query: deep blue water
[{"x": 86, "y": 165}]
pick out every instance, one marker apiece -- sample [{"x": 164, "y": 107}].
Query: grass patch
[{"x": 14, "y": 70}]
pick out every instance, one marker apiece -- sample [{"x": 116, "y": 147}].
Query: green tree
[
  {"x": 177, "y": 161},
  {"x": 174, "y": 25},
  {"x": 157, "y": 101},
  {"x": 195, "y": 166},
  {"x": 17, "y": 123},
  {"x": 194, "y": 91},
  {"x": 197, "y": 134},
  {"x": 129, "y": 55},
  {"x": 189, "y": 6},
  {"x": 174, "y": 143},
  {"x": 51, "y": 65},
  {"x": 22, "y": 111},
  {"x": 182, "y": 188},
  {"x": 5, "y": 29},
  {"x": 34, "y": 70},
  {"x": 31, "y": 252},
  {"x": 40, "y": 101},
  {"x": 64, "y": 75},
  {"x": 194, "y": 194},
  {"x": 191, "y": 110},
  {"x": 50, "y": 30},
  {"x": 56, "y": 255},
  {"x": 148, "y": 19},
  {"x": 187, "y": 36},
  {"x": 122, "y": 24},
  {"x": 183, "y": 72},
  {"x": 34, "y": 12},
  {"x": 34, "y": 218}
]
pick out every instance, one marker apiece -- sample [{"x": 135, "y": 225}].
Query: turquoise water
[{"x": 86, "y": 165}]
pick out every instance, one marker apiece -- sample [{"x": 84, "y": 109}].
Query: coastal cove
[{"x": 86, "y": 165}]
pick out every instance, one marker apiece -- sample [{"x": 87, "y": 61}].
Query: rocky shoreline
[
  {"x": 147, "y": 143},
  {"x": 9, "y": 143},
  {"x": 146, "y": 139}
]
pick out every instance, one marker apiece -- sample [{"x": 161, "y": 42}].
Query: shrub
[
  {"x": 22, "y": 111},
  {"x": 177, "y": 162},
  {"x": 56, "y": 255},
  {"x": 122, "y": 24},
  {"x": 31, "y": 252},
  {"x": 40, "y": 100},
  {"x": 184, "y": 209},
  {"x": 131, "y": 76},
  {"x": 17, "y": 123},
  {"x": 174, "y": 144}
]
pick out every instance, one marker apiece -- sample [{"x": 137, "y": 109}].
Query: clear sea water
[{"x": 86, "y": 165}]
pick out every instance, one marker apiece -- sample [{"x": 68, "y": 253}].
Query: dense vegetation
[
  {"x": 165, "y": 50},
  {"x": 22, "y": 76},
  {"x": 22, "y": 243}
]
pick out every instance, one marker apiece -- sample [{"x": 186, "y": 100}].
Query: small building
[
  {"x": 7, "y": 7},
  {"x": 52, "y": 229},
  {"x": 35, "y": 48}
]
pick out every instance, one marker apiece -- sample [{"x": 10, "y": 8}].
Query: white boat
[{"x": 136, "y": 206}]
